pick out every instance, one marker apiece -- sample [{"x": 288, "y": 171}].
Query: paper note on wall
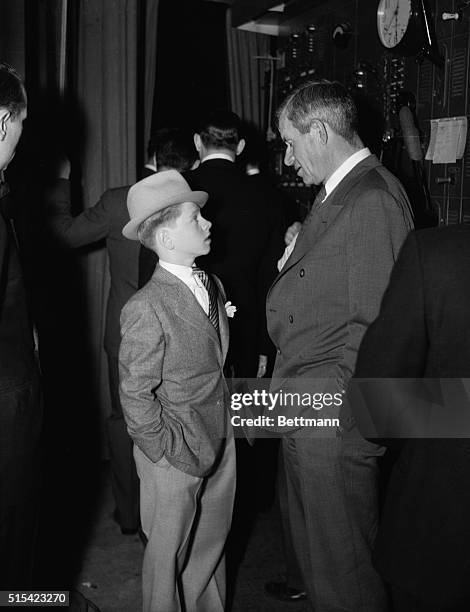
[
  {"x": 432, "y": 139},
  {"x": 448, "y": 139}
]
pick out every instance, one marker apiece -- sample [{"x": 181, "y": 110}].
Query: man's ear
[
  {"x": 319, "y": 131},
  {"x": 197, "y": 142},
  {"x": 240, "y": 146},
  {"x": 4, "y": 117}
]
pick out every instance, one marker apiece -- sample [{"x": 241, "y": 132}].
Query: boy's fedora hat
[{"x": 155, "y": 193}]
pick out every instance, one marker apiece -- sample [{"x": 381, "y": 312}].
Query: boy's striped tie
[{"x": 212, "y": 293}]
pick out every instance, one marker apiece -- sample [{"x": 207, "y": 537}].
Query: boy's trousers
[{"x": 186, "y": 520}]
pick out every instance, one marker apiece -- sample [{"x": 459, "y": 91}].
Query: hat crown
[
  {"x": 153, "y": 192},
  {"x": 156, "y": 192}
]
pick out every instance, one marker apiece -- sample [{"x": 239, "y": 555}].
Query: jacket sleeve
[
  {"x": 267, "y": 272},
  {"x": 393, "y": 354},
  {"x": 75, "y": 231},
  {"x": 377, "y": 232},
  {"x": 140, "y": 371}
]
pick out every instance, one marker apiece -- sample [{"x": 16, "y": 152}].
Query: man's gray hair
[{"x": 328, "y": 101}]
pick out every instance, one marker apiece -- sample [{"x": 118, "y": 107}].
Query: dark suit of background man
[
  {"x": 318, "y": 308},
  {"x": 169, "y": 148},
  {"x": 423, "y": 330},
  {"x": 247, "y": 235},
  {"x": 20, "y": 410}
]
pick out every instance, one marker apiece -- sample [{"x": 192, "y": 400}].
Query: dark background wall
[
  {"x": 383, "y": 81},
  {"x": 191, "y": 61}
]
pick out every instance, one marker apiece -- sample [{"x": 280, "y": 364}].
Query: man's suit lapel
[
  {"x": 324, "y": 213},
  {"x": 186, "y": 305}
]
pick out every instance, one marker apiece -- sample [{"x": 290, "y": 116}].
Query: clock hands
[
  {"x": 394, "y": 16},
  {"x": 396, "y": 22}
]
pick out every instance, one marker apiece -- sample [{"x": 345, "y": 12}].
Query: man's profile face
[
  {"x": 302, "y": 152},
  {"x": 10, "y": 133}
]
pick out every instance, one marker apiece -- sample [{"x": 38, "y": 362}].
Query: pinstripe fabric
[{"x": 212, "y": 292}]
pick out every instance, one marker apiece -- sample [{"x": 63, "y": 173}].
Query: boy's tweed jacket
[{"x": 173, "y": 392}]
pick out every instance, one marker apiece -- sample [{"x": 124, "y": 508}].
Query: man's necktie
[
  {"x": 212, "y": 293},
  {"x": 316, "y": 203},
  {"x": 320, "y": 196}
]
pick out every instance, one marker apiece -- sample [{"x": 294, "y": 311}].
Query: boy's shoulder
[{"x": 151, "y": 292}]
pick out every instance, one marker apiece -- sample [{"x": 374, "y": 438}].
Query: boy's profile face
[{"x": 190, "y": 233}]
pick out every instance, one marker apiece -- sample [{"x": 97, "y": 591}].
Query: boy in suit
[{"x": 173, "y": 393}]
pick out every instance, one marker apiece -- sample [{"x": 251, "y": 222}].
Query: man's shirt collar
[
  {"x": 217, "y": 156},
  {"x": 340, "y": 173}
]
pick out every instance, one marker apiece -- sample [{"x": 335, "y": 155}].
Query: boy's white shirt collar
[
  {"x": 184, "y": 273},
  {"x": 345, "y": 168},
  {"x": 217, "y": 156}
]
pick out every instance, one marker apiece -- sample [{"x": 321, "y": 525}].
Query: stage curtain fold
[
  {"x": 107, "y": 88},
  {"x": 151, "y": 20},
  {"x": 247, "y": 73}
]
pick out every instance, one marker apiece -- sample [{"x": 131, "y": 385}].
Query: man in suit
[
  {"x": 422, "y": 332},
  {"x": 169, "y": 147},
  {"x": 318, "y": 308},
  {"x": 175, "y": 399},
  {"x": 20, "y": 407},
  {"x": 248, "y": 231}
]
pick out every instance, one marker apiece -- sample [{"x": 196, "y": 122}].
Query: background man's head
[
  {"x": 219, "y": 132},
  {"x": 12, "y": 112},
  {"x": 318, "y": 122},
  {"x": 172, "y": 149}
]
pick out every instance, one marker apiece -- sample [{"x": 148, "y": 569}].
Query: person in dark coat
[
  {"x": 248, "y": 229},
  {"x": 422, "y": 332},
  {"x": 20, "y": 405}
]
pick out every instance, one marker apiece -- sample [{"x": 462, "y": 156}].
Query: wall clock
[
  {"x": 407, "y": 27},
  {"x": 395, "y": 20}
]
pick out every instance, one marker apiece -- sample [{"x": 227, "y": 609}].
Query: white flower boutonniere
[{"x": 230, "y": 310}]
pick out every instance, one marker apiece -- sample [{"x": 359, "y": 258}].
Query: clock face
[{"x": 393, "y": 17}]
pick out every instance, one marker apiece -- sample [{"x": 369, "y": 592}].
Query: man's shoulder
[
  {"x": 444, "y": 242},
  {"x": 231, "y": 186},
  {"x": 114, "y": 203},
  {"x": 116, "y": 194},
  {"x": 371, "y": 178},
  {"x": 213, "y": 171}
]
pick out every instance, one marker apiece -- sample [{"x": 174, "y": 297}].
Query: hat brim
[{"x": 197, "y": 197}]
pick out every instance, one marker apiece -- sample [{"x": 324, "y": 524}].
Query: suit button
[
  {"x": 291, "y": 319},
  {"x": 278, "y": 351},
  {"x": 302, "y": 273}
]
